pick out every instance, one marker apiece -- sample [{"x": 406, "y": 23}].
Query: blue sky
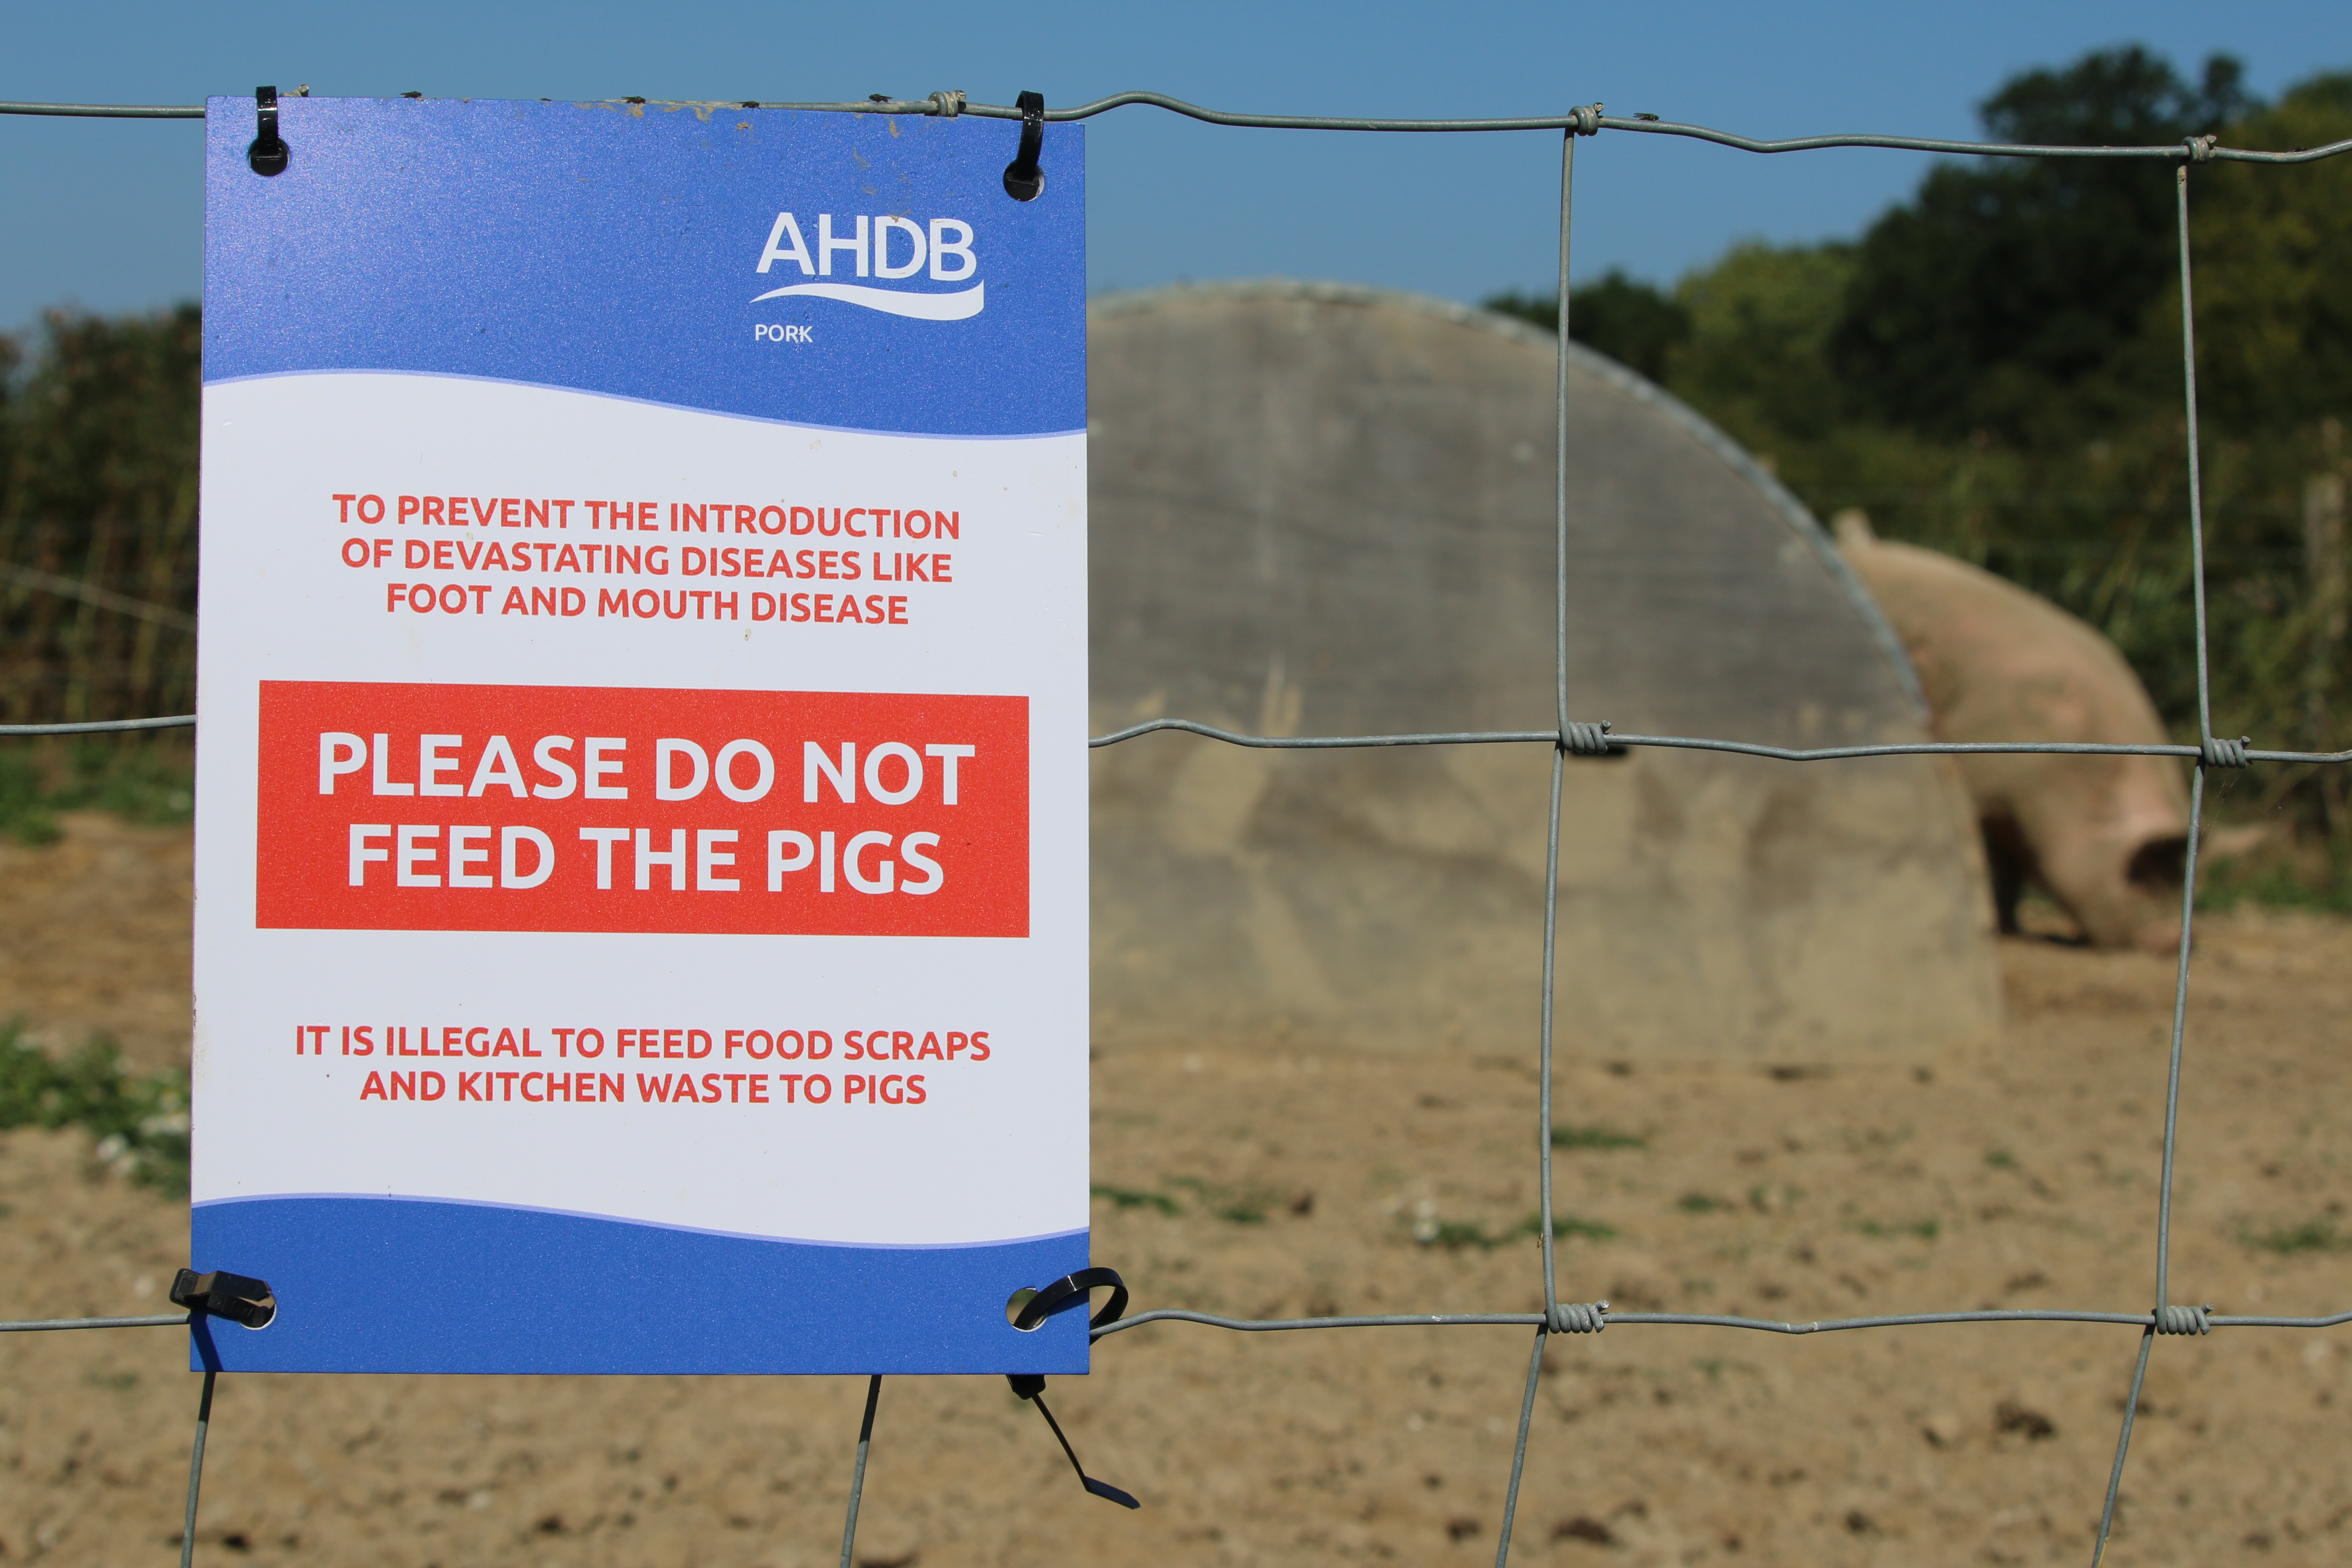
[{"x": 109, "y": 215}]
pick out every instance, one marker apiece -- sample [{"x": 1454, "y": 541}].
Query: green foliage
[
  {"x": 2007, "y": 294},
  {"x": 2317, "y": 875},
  {"x": 1700, "y": 1202},
  {"x": 1634, "y": 322},
  {"x": 1993, "y": 370},
  {"x": 1757, "y": 357},
  {"x": 2275, "y": 310},
  {"x": 145, "y": 779},
  {"x": 97, "y": 487},
  {"x": 140, "y": 1123},
  {"x": 24, "y": 803}
]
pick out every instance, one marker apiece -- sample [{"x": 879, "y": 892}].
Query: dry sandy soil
[{"x": 1270, "y": 1181}]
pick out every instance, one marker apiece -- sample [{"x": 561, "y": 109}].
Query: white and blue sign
[{"x": 641, "y": 839}]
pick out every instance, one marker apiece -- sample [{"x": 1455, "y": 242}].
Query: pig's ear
[{"x": 1851, "y": 527}]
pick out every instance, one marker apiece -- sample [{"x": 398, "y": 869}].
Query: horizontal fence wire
[
  {"x": 1582, "y": 120},
  {"x": 102, "y": 726},
  {"x": 1574, "y": 739}
]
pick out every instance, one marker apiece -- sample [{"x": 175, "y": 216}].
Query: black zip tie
[
  {"x": 1069, "y": 1291},
  {"x": 1031, "y": 1387},
  {"x": 1023, "y": 180},
  {"x": 223, "y": 1295},
  {"x": 268, "y": 154}
]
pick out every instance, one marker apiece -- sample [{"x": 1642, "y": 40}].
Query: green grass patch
[
  {"x": 1135, "y": 1198},
  {"x": 1921, "y": 1229},
  {"x": 2000, "y": 1159},
  {"x": 144, "y": 779},
  {"x": 2317, "y": 877},
  {"x": 1250, "y": 1207},
  {"x": 1701, "y": 1203},
  {"x": 1455, "y": 1234},
  {"x": 1596, "y": 1135},
  {"x": 140, "y": 1123},
  {"x": 2312, "y": 1235},
  {"x": 1564, "y": 1225}
]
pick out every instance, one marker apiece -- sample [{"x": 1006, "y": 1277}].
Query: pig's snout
[
  {"x": 2155, "y": 869},
  {"x": 2159, "y": 864}
]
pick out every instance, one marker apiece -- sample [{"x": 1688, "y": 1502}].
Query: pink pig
[{"x": 2106, "y": 836}]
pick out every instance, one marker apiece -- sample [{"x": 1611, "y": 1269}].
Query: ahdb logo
[{"x": 881, "y": 246}]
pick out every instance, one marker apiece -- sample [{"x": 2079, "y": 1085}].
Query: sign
[{"x": 641, "y": 789}]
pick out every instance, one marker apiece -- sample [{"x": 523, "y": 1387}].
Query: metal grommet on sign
[
  {"x": 1023, "y": 180},
  {"x": 268, "y": 154}
]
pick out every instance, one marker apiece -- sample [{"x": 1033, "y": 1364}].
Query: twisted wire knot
[
  {"x": 950, "y": 102},
  {"x": 1576, "y": 1318},
  {"x": 1586, "y": 120},
  {"x": 1585, "y": 740},
  {"x": 2201, "y": 148},
  {"x": 2183, "y": 1320},
  {"x": 2220, "y": 754}
]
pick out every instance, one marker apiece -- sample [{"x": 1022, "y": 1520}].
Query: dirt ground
[{"x": 1273, "y": 1181}]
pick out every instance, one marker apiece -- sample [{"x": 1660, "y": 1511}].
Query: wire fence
[{"x": 1580, "y": 737}]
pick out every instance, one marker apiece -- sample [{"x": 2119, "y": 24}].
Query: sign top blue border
[{"x": 616, "y": 248}]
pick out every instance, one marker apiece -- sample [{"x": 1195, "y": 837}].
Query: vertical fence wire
[
  {"x": 196, "y": 1470},
  {"x": 858, "y": 1474},
  {"x": 2187, "y": 886}
]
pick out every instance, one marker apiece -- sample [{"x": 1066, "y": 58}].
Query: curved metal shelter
[{"x": 1322, "y": 510}]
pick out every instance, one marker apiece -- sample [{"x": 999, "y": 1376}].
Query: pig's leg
[{"x": 2008, "y": 861}]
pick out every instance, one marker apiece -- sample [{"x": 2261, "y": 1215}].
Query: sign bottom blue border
[{"x": 411, "y": 1285}]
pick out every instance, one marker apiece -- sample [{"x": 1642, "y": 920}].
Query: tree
[
  {"x": 98, "y": 486},
  {"x": 2274, "y": 270},
  {"x": 1756, "y": 355},
  {"x": 1635, "y": 323},
  {"x": 2005, "y": 295}
]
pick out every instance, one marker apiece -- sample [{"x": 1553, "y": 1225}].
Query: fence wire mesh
[{"x": 1583, "y": 737}]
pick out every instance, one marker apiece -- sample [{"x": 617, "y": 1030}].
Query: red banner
[{"x": 417, "y": 807}]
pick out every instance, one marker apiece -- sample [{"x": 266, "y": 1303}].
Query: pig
[{"x": 2106, "y": 837}]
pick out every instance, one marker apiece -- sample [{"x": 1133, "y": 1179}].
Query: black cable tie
[
  {"x": 1070, "y": 1290},
  {"x": 1064, "y": 1294},
  {"x": 1023, "y": 180},
  {"x": 268, "y": 155},
  {"x": 232, "y": 1296}
]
